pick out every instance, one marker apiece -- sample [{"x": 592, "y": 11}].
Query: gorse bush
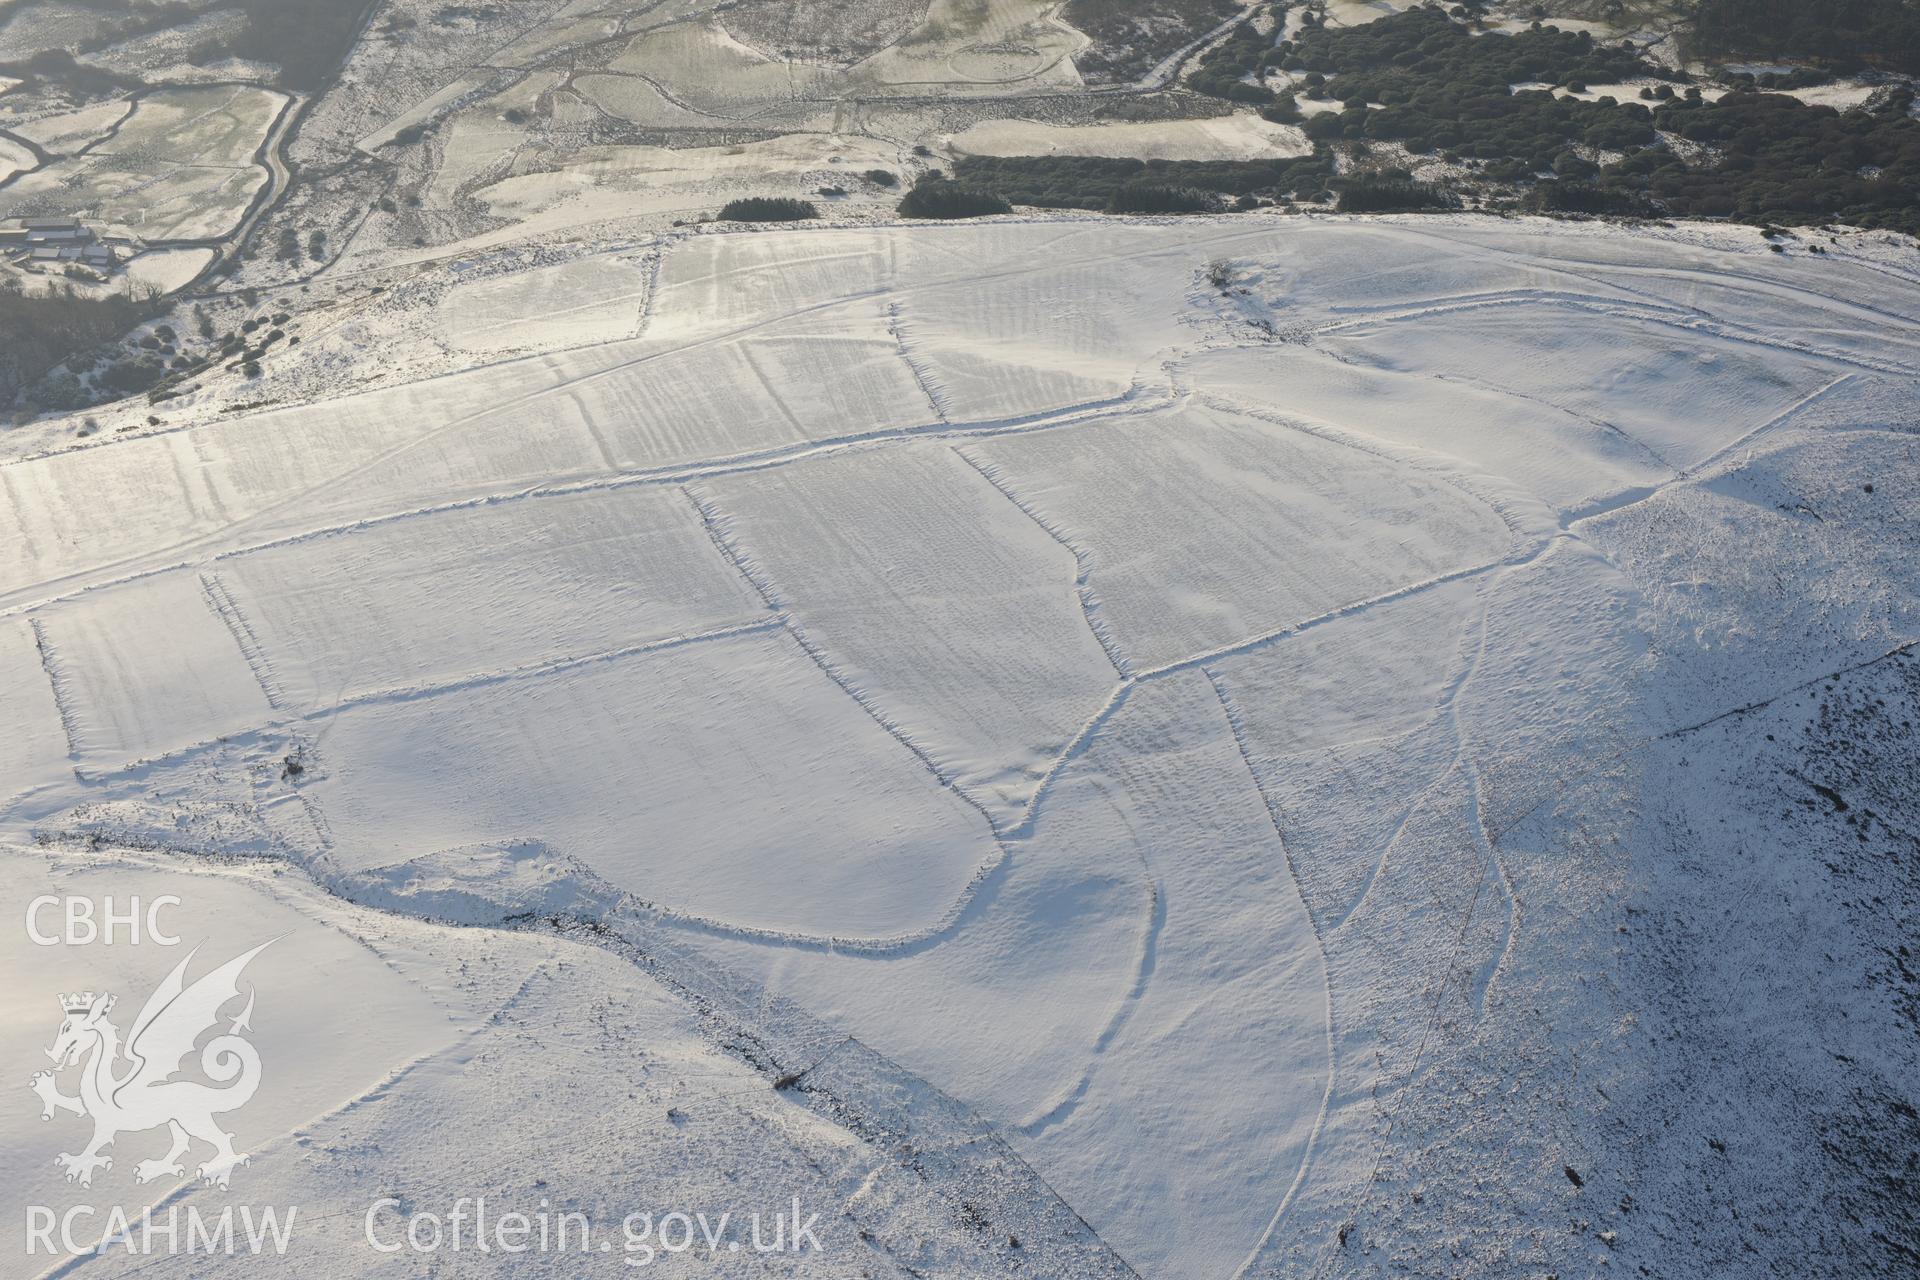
[{"x": 768, "y": 209}]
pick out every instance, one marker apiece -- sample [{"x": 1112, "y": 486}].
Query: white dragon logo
[{"x": 144, "y": 1095}]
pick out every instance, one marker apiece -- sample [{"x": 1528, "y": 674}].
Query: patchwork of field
[
  {"x": 35, "y": 749},
  {"x": 71, "y": 131},
  {"x": 782, "y": 67},
  {"x": 418, "y": 602},
  {"x": 979, "y": 45},
  {"x": 127, "y": 693},
  {"x": 703, "y": 64},
  {"x": 712, "y": 74},
  {"x": 1120, "y": 679},
  {"x": 1506, "y": 440},
  {"x": 729, "y": 779},
  {"x": 526, "y": 123},
  {"x": 1138, "y": 497},
  {"x": 894, "y": 561},
  {"x": 1681, "y": 403},
  {"x": 178, "y": 165}
]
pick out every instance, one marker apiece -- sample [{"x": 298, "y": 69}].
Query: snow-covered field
[
  {"x": 1213, "y": 747},
  {"x": 1234, "y": 137}
]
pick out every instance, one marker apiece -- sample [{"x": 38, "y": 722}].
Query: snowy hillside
[{"x": 1261, "y": 746}]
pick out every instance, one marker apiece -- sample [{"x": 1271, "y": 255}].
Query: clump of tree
[
  {"x": 1093, "y": 182},
  {"x": 936, "y": 197},
  {"x": 1284, "y": 109},
  {"x": 1393, "y": 195},
  {"x": 768, "y": 209},
  {"x": 40, "y": 331},
  {"x": 1154, "y": 198},
  {"x": 131, "y": 376},
  {"x": 1563, "y": 196}
]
